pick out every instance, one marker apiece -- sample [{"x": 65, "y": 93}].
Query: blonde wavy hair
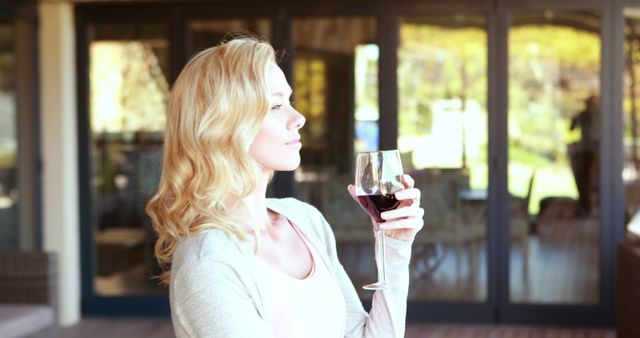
[{"x": 215, "y": 110}]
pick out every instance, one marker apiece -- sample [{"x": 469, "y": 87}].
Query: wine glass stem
[{"x": 383, "y": 278}]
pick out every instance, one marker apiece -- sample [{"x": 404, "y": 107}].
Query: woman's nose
[{"x": 297, "y": 120}]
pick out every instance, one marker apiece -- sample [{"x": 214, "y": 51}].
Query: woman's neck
[{"x": 255, "y": 210}]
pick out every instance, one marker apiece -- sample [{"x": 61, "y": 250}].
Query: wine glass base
[{"x": 375, "y": 286}]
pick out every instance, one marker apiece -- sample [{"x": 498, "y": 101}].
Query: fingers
[
  {"x": 405, "y": 224},
  {"x": 409, "y": 197},
  {"x": 408, "y": 194},
  {"x": 352, "y": 191},
  {"x": 407, "y": 181},
  {"x": 415, "y": 212}
]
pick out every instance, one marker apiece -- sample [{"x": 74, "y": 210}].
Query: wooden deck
[{"x": 161, "y": 328}]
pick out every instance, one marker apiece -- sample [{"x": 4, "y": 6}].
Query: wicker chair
[{"x": 28, "y": 298}]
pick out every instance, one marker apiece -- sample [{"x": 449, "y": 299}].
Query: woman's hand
[{"x": 404, "y": 222}]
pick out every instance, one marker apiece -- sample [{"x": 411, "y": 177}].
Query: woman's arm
[
  {"x": 387, "y": 316},
  {"x": 389, "y": 307},
  {"x": 388, "y": 311}
]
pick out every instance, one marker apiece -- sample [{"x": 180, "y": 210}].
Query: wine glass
[{"x": 378, "y": 177}]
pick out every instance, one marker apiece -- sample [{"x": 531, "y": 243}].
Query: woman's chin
[
  {"x": 284, "y": 163},
  {"x": 289, "y": 165},
  {"x": 290, "y": 168},
  {"x": 282, "y": 166}
]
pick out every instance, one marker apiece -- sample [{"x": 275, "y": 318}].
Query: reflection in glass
[
  {"x": 442, "y": 113},
  {"x": 554, "y": 133},
  {"x": 366, "y": 98},
  {"x": 335, "y": 86},
  {"x": 128, "y": 92},
  {"x": 8, "y": 141},
  {"x": 310, "y": 97},
  {"x": 631, "y": 133}
]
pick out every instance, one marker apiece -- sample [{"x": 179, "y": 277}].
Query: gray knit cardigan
[{"x": 215, "y": 290}]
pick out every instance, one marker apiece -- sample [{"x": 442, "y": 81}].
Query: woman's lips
[{"x": 295, "y": 142}]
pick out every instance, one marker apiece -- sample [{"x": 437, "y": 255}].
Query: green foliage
[
  {"x": 436, "y": 63},
  {"x": 570, "y": 48},
  {"x": 552, "y": 71}
]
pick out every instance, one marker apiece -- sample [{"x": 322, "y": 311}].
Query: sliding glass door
[
  {"x": 500, "y": 110},
  {"x": 554, "y": 161},
  {"x": 443, "y": 136}
]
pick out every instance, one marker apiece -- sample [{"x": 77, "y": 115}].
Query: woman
[{"x": 239, "y": 264}]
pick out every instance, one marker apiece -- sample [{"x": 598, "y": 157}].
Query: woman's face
[{"x": 277, "y": 144}]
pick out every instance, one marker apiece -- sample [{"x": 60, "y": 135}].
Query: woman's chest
[
  {"x": 311, "y": 306},
  {"x": 287, "y": 252}
]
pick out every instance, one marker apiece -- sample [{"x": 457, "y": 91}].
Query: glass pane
[
  {"x": 205, "y": 34},
  {"x": 631, "y": 133},
  {"x": 442, "y": 98},
  {"x": 335, "y": 85},
  {"x": 554, "y": 89},
  {"x": 8, "y": 141},
  {"x": 128, "y": 90}
]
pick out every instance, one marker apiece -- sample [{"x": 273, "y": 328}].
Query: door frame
[
  {"x": 497, "y": 308},
  {"x": 602, "y": 313}
]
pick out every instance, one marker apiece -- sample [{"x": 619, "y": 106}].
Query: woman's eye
[{"x": 276, "y": 107}]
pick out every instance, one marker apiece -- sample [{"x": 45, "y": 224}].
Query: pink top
[{"x": 310, "y": 307}]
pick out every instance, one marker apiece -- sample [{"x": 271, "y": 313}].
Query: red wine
[{"x": 376, "y": 204}]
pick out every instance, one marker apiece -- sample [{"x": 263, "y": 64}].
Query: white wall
[{"x": 59, "y": 151}]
